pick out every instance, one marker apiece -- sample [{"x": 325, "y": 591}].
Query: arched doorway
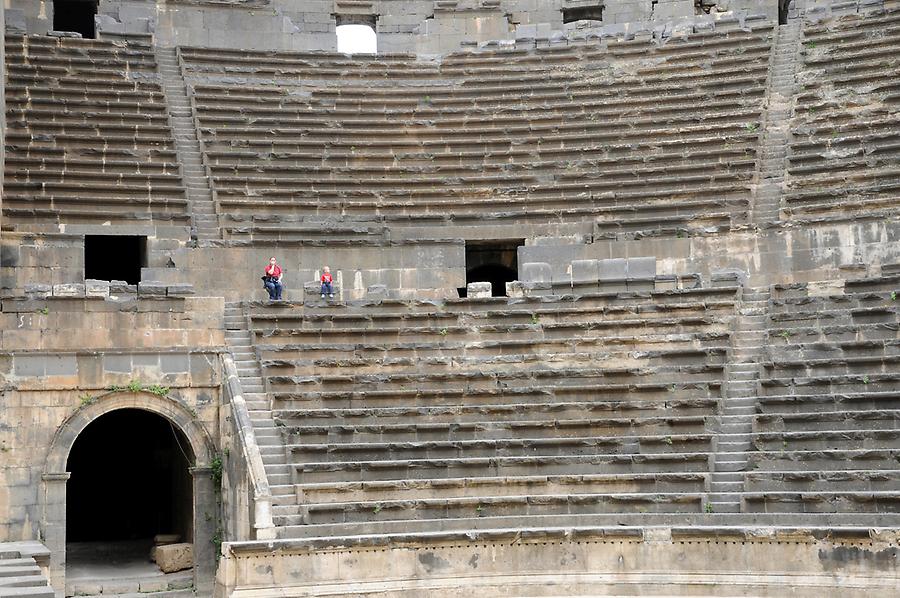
[
  {"x": 55, "y": 510},
  {"x": 129, "y": 481}
]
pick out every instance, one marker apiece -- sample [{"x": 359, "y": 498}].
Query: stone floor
[{"x": 118, "y": 568}]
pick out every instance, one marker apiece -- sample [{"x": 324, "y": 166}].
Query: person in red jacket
[
  {"x": 326, "y": 283},
  {"x": 272, "y": 280}
]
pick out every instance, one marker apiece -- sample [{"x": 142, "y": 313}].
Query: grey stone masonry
[
  {"x": 739, "y": 403},
  {"x": 20, "y": 571},
  {"x": 772, "y": 158},
  {"x": 268, "y": 436},
  {"x": 187, "y": 146}
]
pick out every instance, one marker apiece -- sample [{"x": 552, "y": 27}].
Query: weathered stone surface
[
  {"x": 478, "y": 290},
  {"x": 179, "y": 290},
  {"x": 96, "y": 288},
  {"x": 38, "y": 291},
  {"x": 68, "y": 290},
  {"x": 152, "y": 289},
  {"x": 175, "y": 557}
]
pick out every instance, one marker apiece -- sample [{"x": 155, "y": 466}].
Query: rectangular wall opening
[
  {"x": 493, "y": 261},
  {"x": 583, "y": 13},
  {"x": 75, "y": 15},
  {"x": 114, "y": 257}
]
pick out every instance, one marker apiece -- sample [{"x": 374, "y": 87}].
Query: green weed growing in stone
[
  {"x": 893, "y": 295},
  {"x": 157, "y": 390},
  {"x": 443, "y": 332},
  {"x": 479, "y": 509},
  {"x": 115, "y": 388},
  {"x": 752, "y": 127},
  {"x": 535, "y": 318},
  {"x": 709, "y": 507},
  {"x": 811, "y": 45},
  {"x": 376, "y": 510},
  {"x": 669, "y": 440},
  {"x": 43, "y": 311},
  {"x": 87, "y": 399},
  {"x": 216, "y": 541},
  {"x": 785, "y": 334},
  {"x": 865, "y": 379},
  {"x": 135, "y": 386},
  {"x": 217, "y": 468}
]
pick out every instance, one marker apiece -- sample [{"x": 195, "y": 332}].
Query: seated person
[
  {"x": 326, "y": 282},
  {"x": 272, "y": 280}
]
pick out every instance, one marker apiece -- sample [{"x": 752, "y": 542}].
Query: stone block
[
  {"x": 725, "y": 278},
  {"x": 60, "y": 365},
  {"x": 175, "y": 557},
  {"x": 38, "y": 291},
  {"x": 152, "y": 289},
  {"x": 585, "y": 271},
  {"x": 478, "y": 290},
  {"x": 537, "y": 272},
  {"x": 614, "y": 269},
  {"x": 68, "y": 290},
  {"x": 179, "y": 290},
  {"x": 825, "y": 288},
  {"x": 96, "y": 288},
  {"x": 119, "y": 287},
  {"x": 174, "y": 364},
  {"x": 641, "y": 267},
  {"x": 29, "y": 365},
  {"x": 377, "y": 291},
  {"x": 665, "y": 282},
  {"x": 515, "y": 288}
]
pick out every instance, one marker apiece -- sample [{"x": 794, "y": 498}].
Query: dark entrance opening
[
  {"x": 75, "y": 15},
  {"x": 495, "y": 262},
  {"x": 583, "y": 13},
  {"x": 130, "y": 479},
  {"x": 114, "y": 257},
  {"x": 129, "y": 482},
  {"x": 783, "y": 9}
]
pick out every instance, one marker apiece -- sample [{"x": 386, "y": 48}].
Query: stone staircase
[
  {"x": 20, "y": 573},
  {"x": 162, "y": 585},
  {"x": 727, "y": 480},
  {"x": 772, "y": 162},
  {"x": 187, "y": 146},
  {"x": 268, "y": 436}
]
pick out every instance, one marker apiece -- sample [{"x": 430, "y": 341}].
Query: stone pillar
[
  {"x": 206, "y": 528},
  {"x": 53, "y": 527}
]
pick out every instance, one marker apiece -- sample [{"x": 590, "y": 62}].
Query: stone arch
[
  {"x": 52, "y": 496},
  {"x": 166, "y": 407}
]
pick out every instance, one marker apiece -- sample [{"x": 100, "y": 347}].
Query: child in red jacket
[{"x": 326, "y": 283}]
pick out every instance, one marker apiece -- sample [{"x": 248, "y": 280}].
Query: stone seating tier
[
  {"x": 476, "y": 138},
  {"x": 842, "y": 160},
  {"x": 485, "y": 406},
  {"x": 88, "y": 137},
  {"x": 824, "y": 434}
]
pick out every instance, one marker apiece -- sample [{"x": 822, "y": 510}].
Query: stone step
[{"x": 730, "y": 466}]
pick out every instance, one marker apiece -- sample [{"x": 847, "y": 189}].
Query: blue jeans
[
  {"x": 326, "y": 288},
  {"x": 274, "y": 287}
]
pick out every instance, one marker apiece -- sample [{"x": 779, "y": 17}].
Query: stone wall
[
  {"x": 422, "y": 26},
  {"x": 68, "y": 361},
  {"x": 586, "y": 562},
  {"x": 773, "y": 255}
]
